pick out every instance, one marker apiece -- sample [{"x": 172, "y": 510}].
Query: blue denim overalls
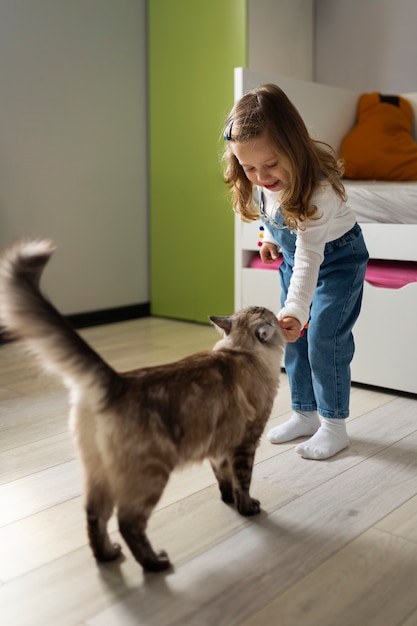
[{"x": 318, "y": 363}]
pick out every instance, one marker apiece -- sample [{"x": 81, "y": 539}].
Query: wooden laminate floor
[{"x": 336, "y": 543}]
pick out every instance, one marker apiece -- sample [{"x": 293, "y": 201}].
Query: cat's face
[{"x": 249, "y": 329}]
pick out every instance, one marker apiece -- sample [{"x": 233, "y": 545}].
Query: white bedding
[{"x": 383, "y": 201}]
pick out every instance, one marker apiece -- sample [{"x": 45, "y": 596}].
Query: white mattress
[{"x": 383, "y": 201}]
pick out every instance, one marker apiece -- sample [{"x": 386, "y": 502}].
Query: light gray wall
[
  {"x": 73, "y": 156},
  {"x": 366, "y": 45},
  {"x": 281, "y": 37}
]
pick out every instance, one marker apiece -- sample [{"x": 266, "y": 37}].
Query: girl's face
[{"x": 261, "y": 163}]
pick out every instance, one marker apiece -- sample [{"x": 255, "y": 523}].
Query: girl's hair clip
[{"x": 228, "y": 132}]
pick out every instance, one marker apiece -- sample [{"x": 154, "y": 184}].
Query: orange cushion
[{"x": 381, "y": 146}]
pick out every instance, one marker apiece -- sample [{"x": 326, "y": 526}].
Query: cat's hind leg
[
  {"x": 223, "y": 472},
  {"x": 98, "y": 498},
  {"x": 133, "y": 514},
  {"x": 99, "y": 507},
  {"x": 133, "y": 532}
]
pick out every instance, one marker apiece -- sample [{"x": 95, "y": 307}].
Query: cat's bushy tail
[{"x": 28, "y": 315}]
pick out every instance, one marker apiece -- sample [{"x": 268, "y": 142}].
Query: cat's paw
[
  {"x": 160, "y": 563},
  {"x": 249, "y": 507},
  {"x": 111, "y": 553}
]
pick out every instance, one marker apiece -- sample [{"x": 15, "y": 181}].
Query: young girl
[{"x": 277, "y": 172}]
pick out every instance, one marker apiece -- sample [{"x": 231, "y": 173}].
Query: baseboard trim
[
  {"x": 99, "y": 318},
  {"x": 109, "y": 316}
]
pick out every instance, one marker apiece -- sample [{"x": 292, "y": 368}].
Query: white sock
[
  {"x": 330, "y": 438},
  {"x": 300, "y": 424}
]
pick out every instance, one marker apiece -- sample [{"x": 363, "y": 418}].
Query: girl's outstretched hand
[
  {"x": 268, "y": 252},
  {"x": 291, "y": 328}
]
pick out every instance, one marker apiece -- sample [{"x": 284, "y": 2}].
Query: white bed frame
[{"x": 385, "y": 336}]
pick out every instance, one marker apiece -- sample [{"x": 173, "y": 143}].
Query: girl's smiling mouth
[{"x": 275, "y": 186}]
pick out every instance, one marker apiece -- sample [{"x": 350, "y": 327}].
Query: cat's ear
[
  {"x": 222, "y": 323},
  {"x": 265, "y": 332}
]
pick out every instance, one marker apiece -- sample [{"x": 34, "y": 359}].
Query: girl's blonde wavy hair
[{"x": 267, "y": 110}]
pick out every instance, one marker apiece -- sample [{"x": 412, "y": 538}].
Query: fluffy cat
[{"x": 133, "y": 428}]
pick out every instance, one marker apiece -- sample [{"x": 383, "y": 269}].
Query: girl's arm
[{"x": 308, "y": 256}]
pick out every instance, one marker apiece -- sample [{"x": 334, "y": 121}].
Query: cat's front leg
[
  {"x": 243, "y": 458},
  {"x": 223, "y": 472}
]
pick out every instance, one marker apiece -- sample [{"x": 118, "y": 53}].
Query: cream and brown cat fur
[{"x": 133, "y": 428}]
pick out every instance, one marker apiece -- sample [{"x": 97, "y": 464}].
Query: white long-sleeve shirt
[{"x": 333, "y": 219}]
